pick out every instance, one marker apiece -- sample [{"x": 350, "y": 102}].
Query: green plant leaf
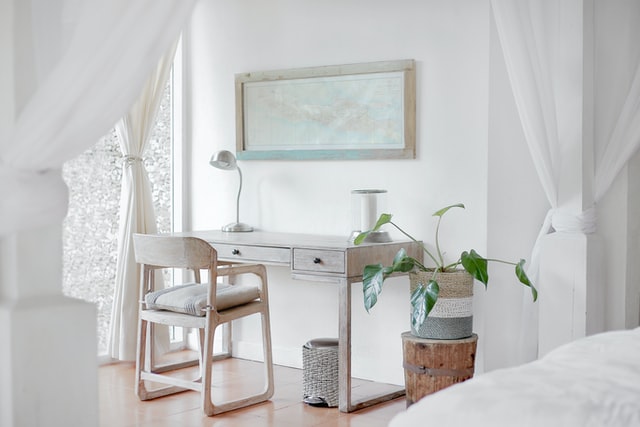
[
  {"x": 423, "y": 298},
  {"x": 475, "y": 265},
  {"x": 360, "y": 238},
  {"x": 403, "y": 263},
  {"x": 444, "y": 210},
  {"x": 406, "y": 265},
  {"x": 387, "y": 271},
  {"x": 374, "y": 275},
  {"x": 433, "y": 290},
  {"x": 384, "y": 219},
  {"x": 524, "y": 279},
  {"x": 400, "y": 255},
  {"x": 372, "y": 280}
]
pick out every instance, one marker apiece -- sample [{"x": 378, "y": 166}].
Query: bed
[{"x": 593, "y": 381}]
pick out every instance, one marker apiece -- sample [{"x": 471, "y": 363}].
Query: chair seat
[{"x": 191, "y": 298}]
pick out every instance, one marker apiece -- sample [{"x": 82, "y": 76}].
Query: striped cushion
[{"x": 191, "y": 298}]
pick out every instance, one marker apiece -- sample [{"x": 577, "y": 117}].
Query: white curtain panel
[
  {"x": 92, "y": 57},
  {"x": 529, "y": 35},
  {"x": 623, "y": 143},
  {"x": 526, "y": 33},
  {"x": 136, "y": 213}
]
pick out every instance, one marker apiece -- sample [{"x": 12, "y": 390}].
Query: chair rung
[
  {"x": 221, "y": 356},
  {"x": 188, "y": 384},
  {"x": 164, "y": 391},
  {"x": 243, "y": 402},
  {"x": 173, "y": 366},
  {"x": 158, "y": 369}
]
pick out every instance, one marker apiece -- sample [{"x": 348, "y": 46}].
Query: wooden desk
[{"x": 321, "y": 259}]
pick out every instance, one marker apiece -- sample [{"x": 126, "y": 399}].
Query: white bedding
[{"x": 594, "y": 381}]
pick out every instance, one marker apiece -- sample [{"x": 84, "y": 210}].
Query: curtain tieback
[
  {"x": 130, "y": 160},
  {"x": 560, "y": 220},
  {"x": 584, "y": 222}
]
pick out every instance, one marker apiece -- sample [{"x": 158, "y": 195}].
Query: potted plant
[{"x": 451, "y": 315}]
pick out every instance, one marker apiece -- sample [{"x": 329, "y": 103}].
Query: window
[{"x": 90, "y": 230}]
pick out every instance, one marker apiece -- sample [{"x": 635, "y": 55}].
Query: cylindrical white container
[{"x": 366, "y": 207}]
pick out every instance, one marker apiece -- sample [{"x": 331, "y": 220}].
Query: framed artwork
[{"x": 354, "y": 111}]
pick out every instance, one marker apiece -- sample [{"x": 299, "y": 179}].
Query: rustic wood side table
[{"x": 431, "y": 365}]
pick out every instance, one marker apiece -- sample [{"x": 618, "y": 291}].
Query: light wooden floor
[{"x": 119, "y": 407}]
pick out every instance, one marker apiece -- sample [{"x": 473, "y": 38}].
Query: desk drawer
[
  {"x": 318, "y": 260},
  {"x": 261, "y": 254}
]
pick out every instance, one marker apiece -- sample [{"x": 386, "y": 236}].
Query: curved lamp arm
[{"x": 238, "y": 198}]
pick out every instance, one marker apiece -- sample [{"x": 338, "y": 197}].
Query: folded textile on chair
[{"x": 191, "y": 298}]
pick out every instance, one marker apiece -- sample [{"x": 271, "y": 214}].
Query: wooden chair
[{"x": 195, "y": 305}]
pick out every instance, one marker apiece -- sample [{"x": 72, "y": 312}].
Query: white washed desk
[{"x": 321, "y": 259}]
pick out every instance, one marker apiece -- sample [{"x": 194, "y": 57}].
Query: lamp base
[
  {"x": 237, "y": 227},
  {"x": 379, "y": 236}
]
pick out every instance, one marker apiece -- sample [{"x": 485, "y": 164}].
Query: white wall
[
  {"x": 470, "y": 148},
  {"x": 449, "y": 41}
]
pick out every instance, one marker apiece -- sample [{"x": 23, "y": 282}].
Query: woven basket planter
[
  {"x": 452, "y": 316},
  {"x": 320, "y": 372}
]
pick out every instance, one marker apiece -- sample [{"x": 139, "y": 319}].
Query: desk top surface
[{"x": 276, "y": 239}]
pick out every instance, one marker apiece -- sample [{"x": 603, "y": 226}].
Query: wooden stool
[{"x": 431, "y": 365}]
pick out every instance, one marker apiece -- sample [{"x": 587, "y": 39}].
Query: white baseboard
[
  {"x": 284, "y": 356},
  {"x": 292, "y": 357}
]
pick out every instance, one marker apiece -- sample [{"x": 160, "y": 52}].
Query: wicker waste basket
[{"x": 320, "y": 372}]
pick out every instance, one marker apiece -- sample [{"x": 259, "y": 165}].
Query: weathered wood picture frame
[{"x": 339, "y": 112}]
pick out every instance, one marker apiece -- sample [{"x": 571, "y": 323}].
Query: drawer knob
[
  {"x": 317, "y": 260},
  {"x": 235, "y": 252}
]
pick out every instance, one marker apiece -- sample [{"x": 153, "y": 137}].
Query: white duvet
[{"x": 594, "y": 381}]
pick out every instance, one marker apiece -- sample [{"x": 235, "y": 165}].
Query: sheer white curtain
[
  {"x": 136, "y": 210},
  {"x": 623, "y": 143},
  {"x": 92, "y": 59},
  {"x": 526, "y": 29},
  {"x": 522, "y": 29}
]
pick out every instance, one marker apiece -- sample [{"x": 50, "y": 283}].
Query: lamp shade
[{"x": 224, "y": 160}]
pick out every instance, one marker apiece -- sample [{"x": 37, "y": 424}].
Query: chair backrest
[{"x": 174, "y": 252}]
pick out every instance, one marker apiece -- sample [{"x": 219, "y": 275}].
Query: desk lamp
[{"x": 225, "y": 160}]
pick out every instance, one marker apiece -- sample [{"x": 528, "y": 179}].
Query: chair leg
[
  {"x": 201, "y": 353},
  {"x": 140, "y": 389},
  {"x": 268, "y": 354},
  {"x": 210, "y": 408},
  {"x": 144, "y": 346},
  {"x": 206, "y": 369},
  {"x": 268, "y": 390},
  {"x": 227, "y": 331}
]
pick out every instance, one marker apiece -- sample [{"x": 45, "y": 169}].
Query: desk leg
[
  {"x": 346, "y": 404},
  {"x": 344, "y": 342}
]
